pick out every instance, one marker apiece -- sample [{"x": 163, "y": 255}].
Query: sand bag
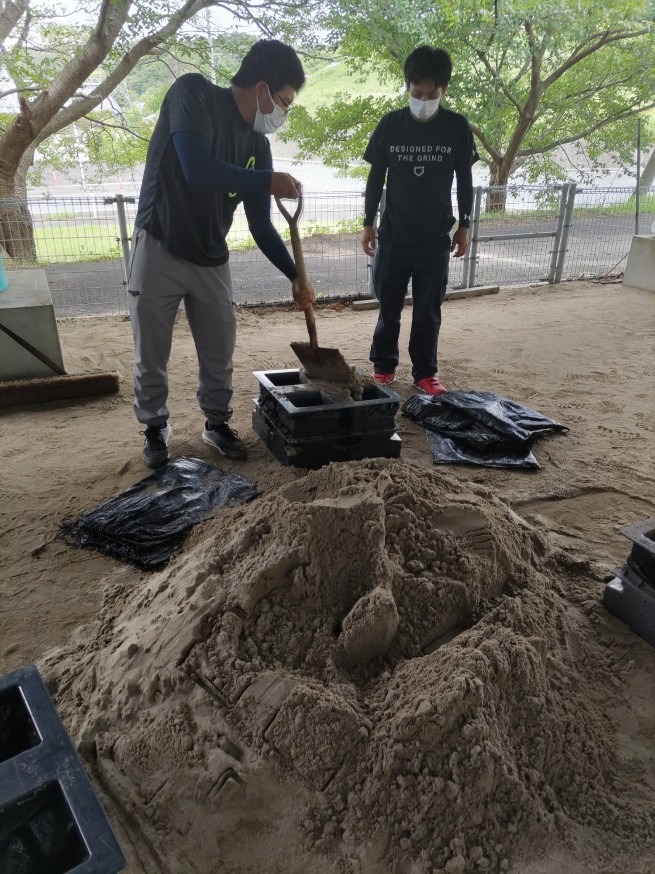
[
  {"x": 466, "y": 427},
  {"x": 145, "y": 524}
]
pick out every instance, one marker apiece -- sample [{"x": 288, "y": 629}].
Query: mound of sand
[{"x": 402, "y": 645}]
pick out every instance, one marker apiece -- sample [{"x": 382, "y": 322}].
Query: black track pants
[{"x": 427, "y": 266}]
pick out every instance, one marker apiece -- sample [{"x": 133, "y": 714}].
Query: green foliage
[
  {"x": 346, "y": 105},
  {"x": 340, "y": 130},
  {"x": 122, "y": 144},
  {"x": 151, "y": 78},
  {"x": 6, "y": 119},
  {"x": 529, "y": 74},
  {"x": 114, "y": 135},
  {"x": 153, "y": 99}
]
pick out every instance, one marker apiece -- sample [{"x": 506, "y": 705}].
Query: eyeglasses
[{"x": 287, "y": 104}]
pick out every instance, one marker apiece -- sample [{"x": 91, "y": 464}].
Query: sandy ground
[{"x": 581, "y": 353}]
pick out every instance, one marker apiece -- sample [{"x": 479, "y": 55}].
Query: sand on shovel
[{"x": 342, "y": 392}]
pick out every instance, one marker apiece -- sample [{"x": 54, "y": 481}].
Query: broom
[{"x": 64, "y": 386}]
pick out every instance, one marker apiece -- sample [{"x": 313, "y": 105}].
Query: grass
[
  {"x": 627, "y": 207},
  {"x": 548, "y": 210},
  {"x": 97, "y": 242},
  {"x": 325, "y": 79},
  {"x": 242, "y": 241},
  {"x": 92, "y": 242}
]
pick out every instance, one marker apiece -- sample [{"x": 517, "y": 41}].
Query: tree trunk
[
  {"x": 497, "y": 194},
  {"x": 648, "y": 173},
  {"x": 16, "y": 226}
]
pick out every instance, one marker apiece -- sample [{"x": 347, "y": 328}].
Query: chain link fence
[{"x": 520, "y": 235}]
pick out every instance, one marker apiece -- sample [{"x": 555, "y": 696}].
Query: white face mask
[
  {"x": 423, "y": 110},
  {"x": 268, "y": 123}
]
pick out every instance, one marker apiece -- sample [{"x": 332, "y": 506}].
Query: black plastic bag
[
  {"x": 447, "y": 450},
  {"x": 482, "y": 428},
  {"x": 145, "y": 524}
]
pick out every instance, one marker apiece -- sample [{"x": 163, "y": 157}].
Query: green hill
[{"x": 327, "y": 78}]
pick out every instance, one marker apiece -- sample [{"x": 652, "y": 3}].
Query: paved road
[{"x": 597, "y": 245}]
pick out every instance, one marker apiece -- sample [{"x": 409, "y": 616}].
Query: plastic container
[
  {"x": 4, "y": 282},
  {"x": 301, "y": 411},
  {"x": 51, "y": 821}
]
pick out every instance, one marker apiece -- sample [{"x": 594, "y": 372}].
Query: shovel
[{"x": 317, "y": 361}]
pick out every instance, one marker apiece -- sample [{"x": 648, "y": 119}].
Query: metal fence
[
  {"x": 553, "y": 234},
  {"x": 540, "y": 235}
]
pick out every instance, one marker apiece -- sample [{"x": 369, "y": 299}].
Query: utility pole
[
  {"x": 638, "y": 175},
  {"x": 210, "y": 40}
]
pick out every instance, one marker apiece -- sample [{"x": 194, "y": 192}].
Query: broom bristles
[{"x": 20, "y": 392}]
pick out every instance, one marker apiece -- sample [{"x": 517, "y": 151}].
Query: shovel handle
[
  {"x": 310, "y": 321},
  {"x": 299, "y": 258},
  {"x": 293, "y": 217},
  {"x": 298, "y": 255}
]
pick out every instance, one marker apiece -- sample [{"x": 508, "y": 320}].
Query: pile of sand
[{"x": 403, "y": 645}]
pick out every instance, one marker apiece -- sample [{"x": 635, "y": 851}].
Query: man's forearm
[
  {"x": 373, "y": 192},
  {"x": 465, "y": 198},
  {"x": 258, "y": 214}
]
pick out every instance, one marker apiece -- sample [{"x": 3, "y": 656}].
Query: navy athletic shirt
[
  {"x": 203, "y": 160},
  {"x": 419, "y": 160}
]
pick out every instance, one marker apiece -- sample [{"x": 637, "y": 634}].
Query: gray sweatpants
[{"x": 157, "y": 282}]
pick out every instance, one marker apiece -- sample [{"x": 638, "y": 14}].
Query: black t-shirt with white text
[
  {"x": 192, "y": 223},
  {"x": 421, "y": 159}
]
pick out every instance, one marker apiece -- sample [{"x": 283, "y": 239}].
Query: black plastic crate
[
  {"x": 632, "y": 601},
  {"x": 299, "y": 410},
  {"x": 642, "y": 555},
  {"x": 630, "y": 596},
  {"x": 51, "y": 821},
  {"x": 314, "y": 452}
]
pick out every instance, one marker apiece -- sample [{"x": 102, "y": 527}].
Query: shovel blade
[{"x": 323, "y": 363}]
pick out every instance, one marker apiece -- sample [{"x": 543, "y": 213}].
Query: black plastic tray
[
  {"x": 51, "y": 821},
  {"x": 314, "y": 452},
  {"x": 642, "y": 555},
  {"x": 299, "y": 410}
]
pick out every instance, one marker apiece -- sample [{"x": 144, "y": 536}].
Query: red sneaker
[
  {"x": 431, "y": 385},
  {"x": 384, "y": 378}
]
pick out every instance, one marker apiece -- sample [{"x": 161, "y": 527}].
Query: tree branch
[
  {"x": 580, "y": 53},
  {"x": 80, "y": 108},
  {"x": 618, "y": 116},
  {"x": 4, "y": 94},
  {"x": 479, "y": 133},
  {"x": 601, "y": 86},
  {"x": 522, "y": 71},
  {"x": 498, "y": 79},
  {"x": 102, "y": 18},
  {"x": 536, "y": 57},
  {"x": 10, "y": 16},
  {"x": 112, "y": 16},
  {"x": 100, "y": 123}
]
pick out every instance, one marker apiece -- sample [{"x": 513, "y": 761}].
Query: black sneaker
[
  {"x": 223, "y": 438},
  {"x": 155, "y": 452}
]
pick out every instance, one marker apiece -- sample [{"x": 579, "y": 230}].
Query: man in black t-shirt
[
  {"x": 417, "y": 151},
  {"x": 207, "y": 154}
]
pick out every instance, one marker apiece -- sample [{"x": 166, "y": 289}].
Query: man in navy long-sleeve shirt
[
  {"x": 417, "y": 151},
  {"x": 207, "y": 154}
]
